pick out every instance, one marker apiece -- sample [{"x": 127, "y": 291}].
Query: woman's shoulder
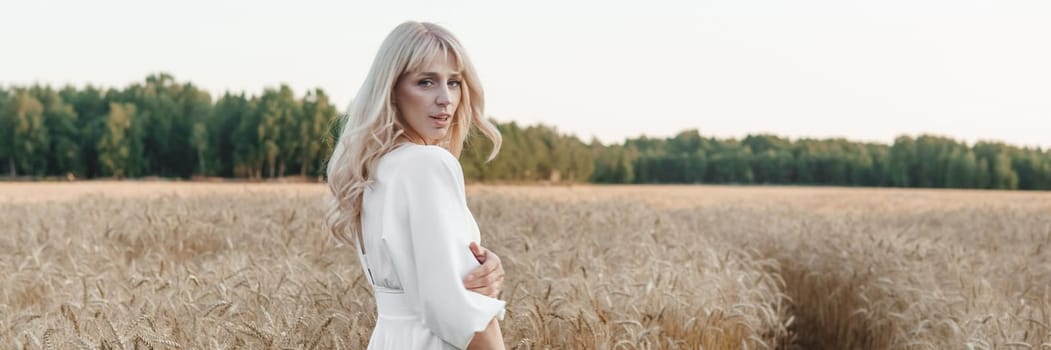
[{"x": 411, "y": 158}]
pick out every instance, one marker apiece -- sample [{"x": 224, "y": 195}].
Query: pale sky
[{"x": 864, "y": 70}]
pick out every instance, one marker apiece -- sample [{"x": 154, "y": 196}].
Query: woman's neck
[{"x": 412, "y": 137}]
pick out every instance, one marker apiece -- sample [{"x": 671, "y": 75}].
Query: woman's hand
[{"x": 488, "y": 278}]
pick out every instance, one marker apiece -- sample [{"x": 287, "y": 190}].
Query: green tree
[
  {"x": 196, "y": 151},
  {"x": 91, "y": 108},
  {"x": 248, "y": 152},
  {"x": 995, "y": 158},
  {"x": 7, "y": 133},
  {"x": 60, "y": 121},
  {"x": 30, "y": 136},
  {"x": 730, "y": 162},
  {"x": 1004, "y": 177},
  {"x": 277, "y": 129},
  {"x": 115, "y": 146},
  {"x": 317, "y": 114},
  {"x": 200, "y": 139},
  {"x": 902, "y": 162},
  {"x": 224, "y": 137}
]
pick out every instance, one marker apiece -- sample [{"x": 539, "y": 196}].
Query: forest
[{"x": 164, "y": 128}]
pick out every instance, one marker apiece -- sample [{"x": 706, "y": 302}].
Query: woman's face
[{"x": 427, "y": 100}]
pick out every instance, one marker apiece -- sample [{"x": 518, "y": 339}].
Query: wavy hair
[{"x": 373, "y": 126}]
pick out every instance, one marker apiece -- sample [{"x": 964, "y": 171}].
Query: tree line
[
  {"x": 161, "y": 127},
  {"x": 924, "y": 161},
  {"x": 164, "y": 128}
]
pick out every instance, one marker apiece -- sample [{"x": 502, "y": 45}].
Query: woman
[{"x": 398, "y": 195}]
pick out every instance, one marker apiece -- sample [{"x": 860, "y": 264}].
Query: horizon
[
  {"x": 216, "y": 96},
  {"x": 817, "y": 69}
]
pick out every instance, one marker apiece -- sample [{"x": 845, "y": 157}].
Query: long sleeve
[{"x": 439, "y": 221}]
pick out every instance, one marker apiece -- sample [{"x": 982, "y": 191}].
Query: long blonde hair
[{"x": 373, "y": 127}]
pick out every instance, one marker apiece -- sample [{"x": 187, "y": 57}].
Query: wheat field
[{"x": 162, "y": 265}]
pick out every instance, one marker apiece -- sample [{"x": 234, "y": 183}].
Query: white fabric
[{"x": 416, "y": 229}]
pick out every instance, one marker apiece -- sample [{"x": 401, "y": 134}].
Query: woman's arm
[
  {"x": 489, "y": 339},
  {"x": 486, "y": 280},
  {"x": 432, "y": 184}
]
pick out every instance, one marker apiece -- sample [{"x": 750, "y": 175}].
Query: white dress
[{"x": 416, "y": 229}]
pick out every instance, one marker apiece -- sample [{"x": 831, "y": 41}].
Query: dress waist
[{"x": 394, "y": 305}]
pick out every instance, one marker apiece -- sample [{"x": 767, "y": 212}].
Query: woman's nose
[{"x": 443, "y": 97}]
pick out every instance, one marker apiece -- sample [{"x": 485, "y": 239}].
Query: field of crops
[{"x": 125, "y": 265}]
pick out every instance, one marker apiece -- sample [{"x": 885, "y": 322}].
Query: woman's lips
[{"x": 441, "y": 120}]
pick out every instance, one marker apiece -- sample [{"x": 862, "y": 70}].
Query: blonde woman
[{"x": 398, "y": 195}]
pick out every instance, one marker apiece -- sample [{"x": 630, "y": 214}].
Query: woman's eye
[{"x": 429, "y": 83}]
